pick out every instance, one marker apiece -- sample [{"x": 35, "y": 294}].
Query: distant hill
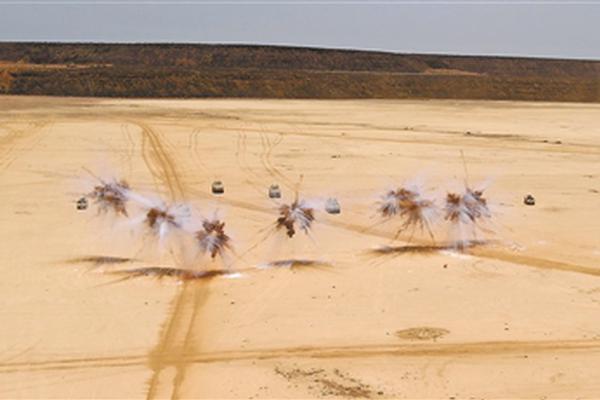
[{"x": 189, "y": 70}]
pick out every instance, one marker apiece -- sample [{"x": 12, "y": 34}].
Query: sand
[{"x": 515, "y": 317}]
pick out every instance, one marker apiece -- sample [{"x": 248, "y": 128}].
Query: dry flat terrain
[{"x": 514, "y": 317}]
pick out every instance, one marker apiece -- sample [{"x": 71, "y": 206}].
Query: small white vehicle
[
  {"x": 332, "y": 206},
  {"x": 529, "y": 200},
  {"x": 82, "y": 204},
  {"x": 217, "y": 187},
  {"x": 274, "y": 191}
]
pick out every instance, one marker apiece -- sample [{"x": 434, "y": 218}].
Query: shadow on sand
[
  {"x": 98, "y": 261},
  {"x": 167, "y": 272},
  {"x": 425, "y": 249},
  {"x": 297, "y": 264}
]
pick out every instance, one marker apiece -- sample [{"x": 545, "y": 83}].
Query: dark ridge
[{"x": 205, "y": 70}]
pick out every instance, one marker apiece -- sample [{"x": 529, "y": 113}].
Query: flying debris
[
  {"x": 212, "y": 238},
  {"x": 411, "y": 207},
  {"x": 391, "y": 203},
  {"x": 477, "y": 204},
  {"x": 297, "y": 212},
  {"x": 156, "y": 217},
  {"x": 111, "y": 196},
  {"x": 466, "y": 208},
  {"x": 161, "y": 218}
]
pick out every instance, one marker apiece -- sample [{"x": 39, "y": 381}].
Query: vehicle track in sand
[
  {"x": 26, "y": 138},
  {"x": 266, "y": 159},
  {"x": 179, "y": 332},
  {"x": 197, "y": 155},
  {"x": 159, "y": 163},
  {"x": 424, "y": 129},
  {"x": 436, "y": 349},
  {"x": 255, "y": 180},
  {"x": 131, "y": 147},
  {"x": 476, "y": 143}
]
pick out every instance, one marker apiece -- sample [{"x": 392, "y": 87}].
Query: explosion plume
[
  {"x": 411, "y": 207},
  {"x": 161, "y": 219},
  {"x": 212, "y": 238},
  {"x": 466, "y": 208},
  {"x": 157, "y": 218},
  {"x": 111, "y": 196},
  {"x": 296, "y": 213}
]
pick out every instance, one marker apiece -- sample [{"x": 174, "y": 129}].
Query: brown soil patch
[
  {"x": 328, "y": 383},
  {"x": 422, "y": 333}
]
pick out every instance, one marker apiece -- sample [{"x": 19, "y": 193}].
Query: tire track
[
  {"x": 7, "y": 145},
  {"x": 195, "y": 148},
  {"x": 158, "y": 161},
  {"x": 522, "y": 259},
  {"x": 130, "y": 151},
  {"x": 458, "y": 349},
  {"x": 242, "y": 162},
  {"x": 266, "y": 159},
  {"x": 401, "y": 350},
  {"x": 177, "y": 341},
  {"x": 503, "y": 136},
  {"x": 15, "y": 137},
  {"x": 179, "y": 332},
  {"x": 561, "y": 149}
]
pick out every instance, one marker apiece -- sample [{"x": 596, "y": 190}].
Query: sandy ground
[{"x": 515, "y": 317}]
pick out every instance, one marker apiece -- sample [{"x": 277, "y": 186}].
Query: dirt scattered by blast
[
  {"x": 325, "y": 383},
  {"x": 422, "y": 333}
]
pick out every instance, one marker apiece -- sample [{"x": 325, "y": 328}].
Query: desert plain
[{"x": 516, "y": 316}]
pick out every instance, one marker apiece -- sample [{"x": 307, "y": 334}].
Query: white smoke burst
[{"x": 411, "y": 206}]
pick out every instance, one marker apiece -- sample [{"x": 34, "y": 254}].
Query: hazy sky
[{"x": 534, "y": 28}]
